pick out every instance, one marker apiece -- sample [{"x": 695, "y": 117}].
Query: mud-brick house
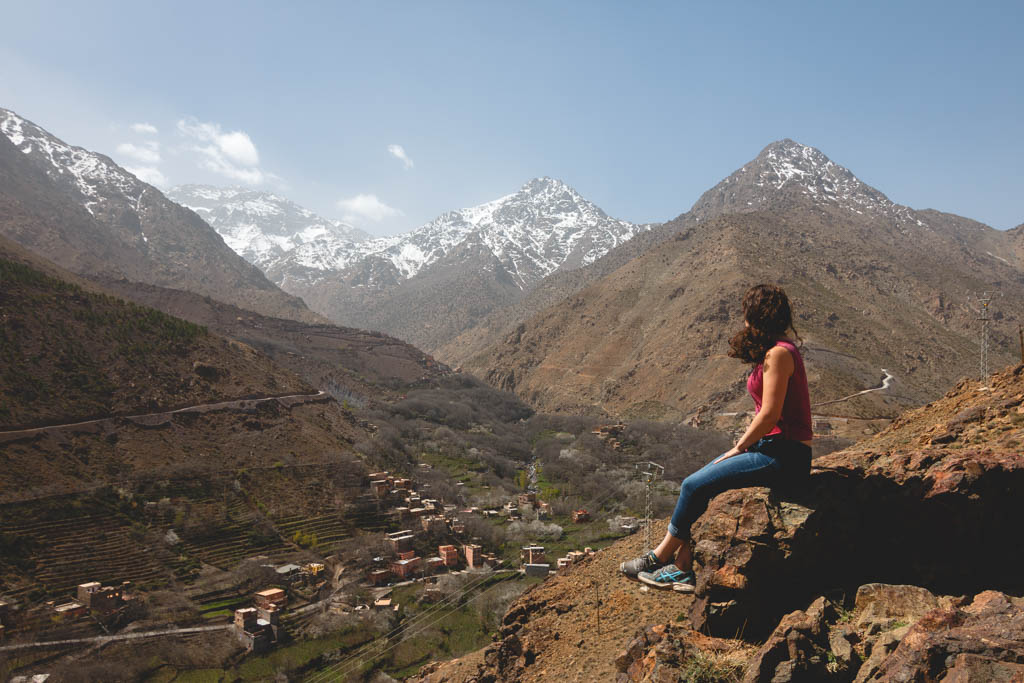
[
  {"x": 449, "y": 555},
  {"x": 433, "y": 524},
  {"x": 256, "y": 634},
  {"x": 71, "y": 610},
  {"x": 379, "y": 577},
  {"x": 271, "y": 597},
  {"x": 400, "y": 541},
  {"x": 527, "y": 498},
  {"x": 580, "y": 516},
  {"x": 473, "y": 555},
  {"x": 531, "y": 554},
  {"x": 103, "y": 599},
  {"x": 404, "y": 569}
]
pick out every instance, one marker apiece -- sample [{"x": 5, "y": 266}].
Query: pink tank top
[{"x": 795, "y": 422}]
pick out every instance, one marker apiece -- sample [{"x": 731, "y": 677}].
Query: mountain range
[
  {"x": 89, "y": 215},
  {"x": 876, "y": 285},
  {"x": 475, "y": 259}
]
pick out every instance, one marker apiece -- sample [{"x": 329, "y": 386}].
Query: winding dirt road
[{"x": 200, "y": 407}]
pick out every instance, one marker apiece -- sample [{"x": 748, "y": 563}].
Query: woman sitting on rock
[{"x": 776, "y": 447}]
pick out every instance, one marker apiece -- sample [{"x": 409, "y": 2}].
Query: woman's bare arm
[{"x": 777, "y": 369}]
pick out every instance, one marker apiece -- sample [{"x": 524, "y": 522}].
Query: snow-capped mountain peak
[
  {"x": 260, "y": 226},
  {"x": 544, "y": 226},
  {"x": 786, "y": 168},
  {"x": 94, "y": 176}
]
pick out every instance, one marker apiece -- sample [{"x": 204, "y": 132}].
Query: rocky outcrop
[{"x": 928, "y": 515}]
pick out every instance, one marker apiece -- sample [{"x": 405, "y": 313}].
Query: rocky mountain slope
[
  {"x": 261, "y": 227},
  {"x": 429, "y": 284},
  {"x": 875, "y": 285},
  {"x": 87, "y": 214},
  {"x": 352, "y": 365},
  {"x": 70, "y": 354},
  {"x": 890, "y": 563}
]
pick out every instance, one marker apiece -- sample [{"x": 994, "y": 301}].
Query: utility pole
[
  {"x": 597, "y": 589},
  {"x": 1020, "y": 333},
  {"x": 649, "y": 471}
]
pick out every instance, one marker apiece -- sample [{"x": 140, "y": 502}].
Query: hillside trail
[
  {"x": 199, "y": 407},
  {"x": 103, "y": 640},
  {"x": 886, "y": 383}
]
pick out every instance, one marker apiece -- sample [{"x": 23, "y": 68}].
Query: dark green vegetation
[{"x": 69, "y": 354}]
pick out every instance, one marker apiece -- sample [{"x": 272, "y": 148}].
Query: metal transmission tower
[
  {"x": 649, "y": 471},
  {"x": 985, "y": 298}
]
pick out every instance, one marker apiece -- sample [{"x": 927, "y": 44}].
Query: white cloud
[
  {"x": 145, "y": 128},
  {"x": 148, "y": 174},
  {"x": 366, "y": 206},
  {"x": 398, "y": 152},
  {"x": 231, "y": 154},
  {"x": 147, "y": 152}
]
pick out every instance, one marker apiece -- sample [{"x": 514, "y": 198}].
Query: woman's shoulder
[{"x": 783, "y": 351}]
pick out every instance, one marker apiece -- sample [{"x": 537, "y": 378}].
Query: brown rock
[
  {"x": 933, "y": 516},
  {"x": 988, "y": 634},
  {"x": 797, "y": 648}
]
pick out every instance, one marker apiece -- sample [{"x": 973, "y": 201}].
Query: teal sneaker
[{"x": 668, "y": 577}]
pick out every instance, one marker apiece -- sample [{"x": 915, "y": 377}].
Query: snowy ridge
[
  {"x": 544, "y": 226},
  {"x": 260, "y": 226},
  {"x": 93, "y": 175},
  {"x": 788, "y": 165}
]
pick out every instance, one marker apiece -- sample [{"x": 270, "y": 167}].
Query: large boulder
[
  {"x": 934, "y": 517},
  {"x": 982, "y": 641}
]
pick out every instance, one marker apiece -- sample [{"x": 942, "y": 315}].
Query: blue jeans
[{"x": 768, "y": 462}]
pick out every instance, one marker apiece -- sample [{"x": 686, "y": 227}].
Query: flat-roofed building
[
  {"x": 473, "y": 557},
  {"x": 405, "y": 569},
  {"x": 449, "y": 555},
  {"x": 531, "y": 554},
  {"x": 271, "y": 597}
]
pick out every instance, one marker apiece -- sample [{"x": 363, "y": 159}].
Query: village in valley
[{"x": 433, "y": 540}]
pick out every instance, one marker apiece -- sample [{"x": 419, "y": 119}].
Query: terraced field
[
  {"x": 235, "y": 540},
  {"x": 93, "y": 547}
]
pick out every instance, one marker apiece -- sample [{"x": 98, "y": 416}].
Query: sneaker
[
  {"x": 667, "y": 577},
  {"x": 687, "y": 584},
  {"x": 648, "y": 562}
]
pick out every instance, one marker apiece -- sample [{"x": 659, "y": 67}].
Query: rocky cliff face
[
  {"x": 82, "y": 211},
  {"x": 894, "y": 561}
]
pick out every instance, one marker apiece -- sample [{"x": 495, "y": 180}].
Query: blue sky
[{"x": 639, "y": 106}]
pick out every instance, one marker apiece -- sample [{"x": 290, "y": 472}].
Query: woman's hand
[{"x": 725, "y": 456}]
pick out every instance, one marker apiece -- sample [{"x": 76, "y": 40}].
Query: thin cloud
[
  {"x": 367, "y": 207},
  {"x": 145, "y": 128},
  {"x": 398, "y": 152},
  {"x": 148, "y": 174},
  {"x": 232, "y": 154},
  {"x": 147, "y": 152}
]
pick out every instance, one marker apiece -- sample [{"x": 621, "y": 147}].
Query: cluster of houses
[
  {"x": 533, "y": 562},
  {"x": 430, "y": 516},
  {"x": 610, "y": 434},
  {"x": 93, "y": 598},
  {"x": 408, "y": 565}
]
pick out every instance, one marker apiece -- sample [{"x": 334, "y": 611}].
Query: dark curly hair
[{"x": 766, "y": 309}]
